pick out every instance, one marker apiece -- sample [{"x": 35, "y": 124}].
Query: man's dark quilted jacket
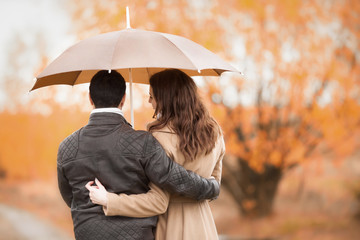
[{"x": 125, "y": 161}]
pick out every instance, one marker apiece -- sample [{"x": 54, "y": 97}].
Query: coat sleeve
[
  {"x": 166, "y": 173},
  {"x": 152, "y": 203},
  {"x": 218, "y": 167}
]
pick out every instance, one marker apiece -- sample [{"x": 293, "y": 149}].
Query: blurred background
[{"x": 291, "y": 122}]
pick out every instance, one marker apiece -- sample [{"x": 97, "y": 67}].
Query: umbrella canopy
[
  {"x": 135, "y": 54},
  {"x": 144, "y": 52}
]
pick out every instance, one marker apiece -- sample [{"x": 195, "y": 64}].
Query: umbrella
[{"x": 135, "y": 54}]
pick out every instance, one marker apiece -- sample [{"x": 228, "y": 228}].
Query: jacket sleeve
[
  {"x": 64, "y": 187},
  {"x": 169, "y": 175},
  {"x": 152, "y": 203},
  {"x": 63, "y": 183}
]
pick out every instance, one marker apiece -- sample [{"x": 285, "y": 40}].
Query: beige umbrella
[{"x": 135, "y": 54}]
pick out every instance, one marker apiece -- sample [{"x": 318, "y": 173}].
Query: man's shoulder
[
  {"x": 134, "y": 141},
  {"x": 128, "y": 131},
  {"x": 68, "y": 147},
  {"x": 71, "y": 139}
]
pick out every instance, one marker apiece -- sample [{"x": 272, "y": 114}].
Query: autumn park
[{"x": 291, "y": 120}]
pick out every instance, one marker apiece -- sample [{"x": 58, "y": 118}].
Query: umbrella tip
[
  {"x": 109, "y": 70},
  {"x": 127, "y": 17}
]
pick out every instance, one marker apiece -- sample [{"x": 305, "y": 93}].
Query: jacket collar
[{"x": 106, "y": 118}]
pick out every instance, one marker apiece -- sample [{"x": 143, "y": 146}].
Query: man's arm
[
  {"x": 64, "y": 187},
  {"x": 63, "y": 183},
  {"x": 169, "y": 175}
]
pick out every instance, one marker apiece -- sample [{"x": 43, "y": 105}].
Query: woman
[{"x": 193, "y": 138}]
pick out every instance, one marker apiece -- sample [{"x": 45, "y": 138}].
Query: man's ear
[
  {"x": 122, "y": 102},
  {"x": 91, "y": 101}
]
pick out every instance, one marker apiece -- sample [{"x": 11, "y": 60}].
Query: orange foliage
[
  {"x": 29, "y": 142},
  {"x": 295, "y": 123}
]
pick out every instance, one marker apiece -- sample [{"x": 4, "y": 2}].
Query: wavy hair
[{"x": 179, "y": 107}]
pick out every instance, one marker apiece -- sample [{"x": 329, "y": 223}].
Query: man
[{"x": 124, "y": 160}]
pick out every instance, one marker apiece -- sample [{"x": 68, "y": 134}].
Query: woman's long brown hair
[{"x": 178, "y": 106}]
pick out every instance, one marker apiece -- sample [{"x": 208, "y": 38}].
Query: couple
[{"x": 140, "y": 175}]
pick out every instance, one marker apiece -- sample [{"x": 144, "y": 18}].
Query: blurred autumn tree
[
  {"x": 303, "y": 75},
  {"x": 300, "y": 93}
]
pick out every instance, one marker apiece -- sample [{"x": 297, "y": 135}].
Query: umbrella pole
[
  {"x": 127, "y": 17},
  {"x": 131, "y": 99}
]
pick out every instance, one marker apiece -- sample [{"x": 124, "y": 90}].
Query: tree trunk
[{"x": 254, "y": 192}]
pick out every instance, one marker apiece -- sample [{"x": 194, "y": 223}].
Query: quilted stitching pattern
[
  {"x": 184, "y": 182},
  {"x": 153, "y": 145},
  {"x": 69, "y": 147},
  {"x": 99, "y": 229},
  {"x": 189, "y": 183},
  {"x": 132, "y": 142}
]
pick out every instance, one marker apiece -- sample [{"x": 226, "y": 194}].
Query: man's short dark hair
[{"x": 107, "y": 89}]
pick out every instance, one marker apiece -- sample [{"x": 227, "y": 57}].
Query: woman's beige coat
[{"x": 179, "y": 217}]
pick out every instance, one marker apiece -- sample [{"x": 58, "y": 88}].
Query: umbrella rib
[
  {"x": 78, "y": 74},
  {"x": 113, "y": 52},
  {"x": 181, "y": 51},
  {"x": 148, "y": 72}
]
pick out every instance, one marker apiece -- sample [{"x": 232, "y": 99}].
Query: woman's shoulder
[
  {"x": 166, "y": 137},
  {"x": 220, "y": 143},
  {"x": 151, "y": 124},
  {"x": 166, "y": 129}
]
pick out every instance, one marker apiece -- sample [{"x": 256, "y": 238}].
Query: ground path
[{"x": 17, "y": 224}]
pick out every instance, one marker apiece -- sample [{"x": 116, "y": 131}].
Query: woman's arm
[
  {"x": 218, "y": 167},
  {"x": 152, "y": 203}
]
